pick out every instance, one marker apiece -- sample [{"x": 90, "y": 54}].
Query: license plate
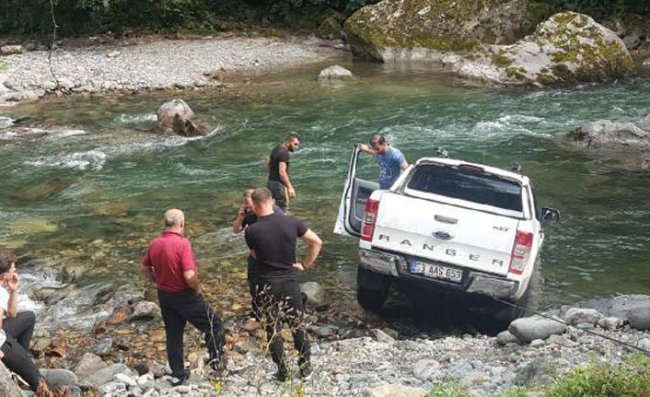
[{"x": 437, "y": 271}]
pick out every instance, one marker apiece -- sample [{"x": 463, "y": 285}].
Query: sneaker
[
  {"x": 282, "y": 374},
  {"x": 306, "y": 371},
  {"x": 179, "y": 380},
  {"x": 218, "y": 365}
]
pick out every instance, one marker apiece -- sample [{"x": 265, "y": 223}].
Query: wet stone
[
  {"x": 104, "y": 347},
  {"x": 145, "y": 310}
]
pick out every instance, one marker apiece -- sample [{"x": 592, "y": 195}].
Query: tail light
[
  {"x": 520, "y": 252},
  {"x": 369, "y": 219}
]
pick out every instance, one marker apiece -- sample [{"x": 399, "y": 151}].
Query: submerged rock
[
  {"x": 625, "y": 142},
  {"x": 335, "y": 72},
  {"x": 607, "y": 135}
]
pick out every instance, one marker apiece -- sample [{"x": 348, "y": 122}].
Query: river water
[{"x": 87, "y": 188}]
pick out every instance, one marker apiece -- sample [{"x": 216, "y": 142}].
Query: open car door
[{"x": 353, "y": 201}]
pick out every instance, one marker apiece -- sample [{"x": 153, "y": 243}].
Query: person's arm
[
  {"x": 284, "y": 178},
  {"x": 314, "y": 245},
  {"x": 404, "y": 165},
  {"x": 145, "y": 268},
  {"x": 192, "y": 279},
  {"x": 367, "y": 149},
  {"x": 12, "y": 306},
  {"x": 3, "y": 336},
  {"x": 238, "y": 223},
  {"x": 188, "y": 264},
  {"x": 146, "y": 272}
]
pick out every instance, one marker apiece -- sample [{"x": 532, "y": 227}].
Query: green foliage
[
  {"x": 448, "y": 389},
  {"x": 76, "y": 17},
  {"x": 630, "y": 379},
  {"x": 601, "y": 7}
]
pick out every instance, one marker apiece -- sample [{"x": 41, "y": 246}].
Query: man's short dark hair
[
  {"x": 260, "y": 195},
  {"x": 293, "y": 135},
  {"x": 6, "y": 259},
  {"x": 378, "y": 138}
]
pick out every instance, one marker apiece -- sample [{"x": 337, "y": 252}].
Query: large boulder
[
  {"x": 176, "y": 117},
  {"x": 402, "y": 29},
  {"x": 567, "y": 48}
]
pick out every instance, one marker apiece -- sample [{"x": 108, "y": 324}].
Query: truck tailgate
[{"x": 442, "y": 232}]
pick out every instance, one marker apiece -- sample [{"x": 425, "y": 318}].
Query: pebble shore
[
  {"x": 535, "y": 351},
  {"x": 154, "y": 64}
]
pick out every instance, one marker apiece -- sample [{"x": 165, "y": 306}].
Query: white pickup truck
[{"x": 448, "y": 226}]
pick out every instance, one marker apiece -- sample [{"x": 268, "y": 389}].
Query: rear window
[{"x": 467, "y": 185}]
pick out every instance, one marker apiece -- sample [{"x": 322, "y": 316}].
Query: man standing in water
[
  {"x": 390, "y": 160},
  {"x": 272, "y": 240},
  {"x": 279, "y": 183},
  {"x": 169, "y": 263}
]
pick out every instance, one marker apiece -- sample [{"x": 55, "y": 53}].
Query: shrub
[
  {"x": 631, "y": 379},
  {"x": 91, "y": 16},
  {"x": 448, "y": 389}
]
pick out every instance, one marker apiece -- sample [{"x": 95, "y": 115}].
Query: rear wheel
[
  {"x": 506, "y": 313},
  {"x": 372, "y": 289}
]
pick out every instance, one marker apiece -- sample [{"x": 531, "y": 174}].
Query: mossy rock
[
  {"x": 567, "y": 48},
  {"x": 442, "y": 25}
]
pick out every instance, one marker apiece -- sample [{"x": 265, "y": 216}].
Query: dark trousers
[
  {"x": 21, "y": 327},
  {"x": 252, "y": 284},
  {"x": 281, "y": 302},
  {"x": 16, "y": 358},
  {"x": 279, "y": 193},
  {"x": 177, "y": 309}
]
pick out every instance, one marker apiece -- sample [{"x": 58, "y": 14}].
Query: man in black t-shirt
[
  {"x": 279, "y": 183},
  {"x": 246, "y": 217},
  {"x": 272, "y": 241}
]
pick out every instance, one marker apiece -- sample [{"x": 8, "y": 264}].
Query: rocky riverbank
[
  {"x": 124, "y": 66},
  {"x": 125, "y": 356}
]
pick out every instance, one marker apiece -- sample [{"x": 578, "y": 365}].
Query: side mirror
[{"x": 550, "y": 215}]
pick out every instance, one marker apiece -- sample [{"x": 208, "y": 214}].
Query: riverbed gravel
[{"x": 152, "y": 64}]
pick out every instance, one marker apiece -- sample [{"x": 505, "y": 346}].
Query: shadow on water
[{"x": 415, "y": 313}]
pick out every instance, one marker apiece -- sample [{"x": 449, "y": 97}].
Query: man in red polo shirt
[{"x": 169, "y": 263}]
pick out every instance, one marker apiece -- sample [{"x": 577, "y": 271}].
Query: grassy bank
[{"x": 631, "y": 378}]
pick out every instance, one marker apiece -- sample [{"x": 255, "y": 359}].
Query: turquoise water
[{"x": 91, "y": 187}]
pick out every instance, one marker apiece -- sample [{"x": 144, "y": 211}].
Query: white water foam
[
  {"x": 509, "y": 125},
  {"x": 96, "y": 158},
  {"x": 6, "y": 122},
  {"x": 193, "y": 171},
  {"x": 22, "y": 132},
  {"x": 19, "y": 133},
  {"x": 57, "y": 134},
  {"x": 136, "y": 118},
  {"x": 91, "y": 159}
]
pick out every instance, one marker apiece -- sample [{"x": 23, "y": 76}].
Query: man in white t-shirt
[{"x": 17, "y": 328}]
